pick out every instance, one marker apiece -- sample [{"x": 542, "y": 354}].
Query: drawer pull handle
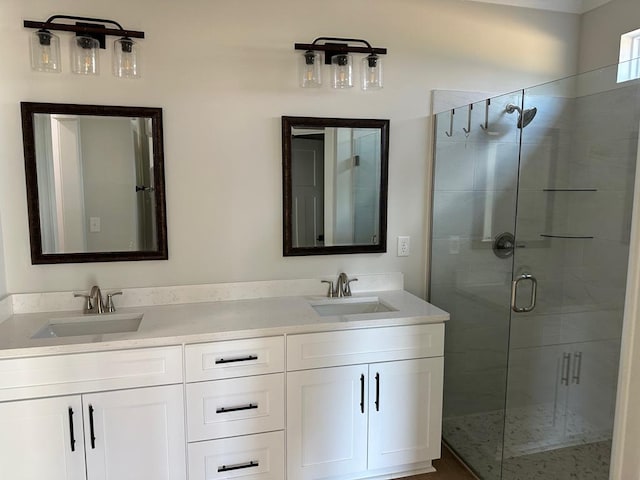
[
  {"x": 361, "y": 393},
  {"x": 91, "y": 429},
  {"x": 72, "y": 435},
  {"x": 237, "y": 359},
  {"x": 238, "y": 466},
  {"x": 377, "y": 392},
  {"x": 251, "y": 406}
]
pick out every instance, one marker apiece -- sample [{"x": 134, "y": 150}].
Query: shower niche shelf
[
  {"x": 569, "y": 189},
  {"x": 567, "y": 236}
]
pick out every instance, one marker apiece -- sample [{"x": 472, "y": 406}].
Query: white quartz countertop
[{"x": 222, "y": 320}]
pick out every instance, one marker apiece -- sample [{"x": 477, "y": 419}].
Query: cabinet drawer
[
  {"x": 255, "y": 457},
  {"x": 349, "y": 347},
  {"x": 234, "y": 358},
  {"x": 237, "y": 406},
  {"x": 89, "y": 372}
]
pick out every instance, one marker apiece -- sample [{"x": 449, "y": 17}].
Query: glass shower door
[
  {"x": 575, "y": 195},
  {"x": 475, "y": 187}
]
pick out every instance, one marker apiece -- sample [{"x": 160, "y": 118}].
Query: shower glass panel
[
  {"x": 531, "y": 378},
  {"x": 476, "y": 174}
]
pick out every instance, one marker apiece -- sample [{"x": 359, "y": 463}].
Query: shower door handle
[{"x": 514, "y": 293}]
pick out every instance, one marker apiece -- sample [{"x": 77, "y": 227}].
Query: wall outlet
[{"x": 404, "y": 246}]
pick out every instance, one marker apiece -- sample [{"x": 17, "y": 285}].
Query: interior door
[{"x": 307, "y": 177}]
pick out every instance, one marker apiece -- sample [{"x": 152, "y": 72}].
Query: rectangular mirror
[
  {"x": 95, "y": 183},
  {"x": 335, "y": 174}
]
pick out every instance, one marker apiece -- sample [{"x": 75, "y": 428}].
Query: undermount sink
[
  {"x": 90, "y": 325},
  {"x": 350, "y": 306}
]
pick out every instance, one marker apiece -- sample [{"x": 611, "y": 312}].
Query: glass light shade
[
  {"x": 310, "y": 65},
  {"x": 371, "y": 72},
  {"x": 342, "y": 71},
  {"x": 84, "y": 55},
  {"x": 125, "y": 58},
  {"x": 45, "y": 52}
]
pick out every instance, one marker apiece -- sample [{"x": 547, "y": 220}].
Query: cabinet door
[
  {"x": 405, "y": 412},
  {"x": 135, "y": 434},
  {"x": 42, "y": 439},
  {"x": 326, "y": 422}
]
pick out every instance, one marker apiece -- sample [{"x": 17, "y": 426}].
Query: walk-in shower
[{"x": 529, "y": 250}]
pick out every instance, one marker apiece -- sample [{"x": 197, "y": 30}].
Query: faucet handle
[
  {"x": 347, "y": 287},
  {"x": 88, "y": 306},
  {"x": 110, "y": 307},
  {"x": 331, "y": 291}
]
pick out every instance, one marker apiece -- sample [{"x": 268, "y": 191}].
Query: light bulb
[
  {"x": 371, "y": 72},
  {"x": 45, "y": 52},
  {"x": 310, "y": 70},
  {"x": 84, "y": 51},
  {"x": 125, "y": 58},
  {"x": 342, "y": 66}
]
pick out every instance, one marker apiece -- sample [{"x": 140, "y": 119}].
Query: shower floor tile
[{"x": 528, "y": 454}]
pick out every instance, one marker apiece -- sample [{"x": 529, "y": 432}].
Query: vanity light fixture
[
  {"x": 90, "y": 36},
  {"x": 337, "y": 53}
]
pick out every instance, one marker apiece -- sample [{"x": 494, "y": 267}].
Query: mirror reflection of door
[
  {"x": 307, "y": 176},
  {"x": 145, "y": 193}
]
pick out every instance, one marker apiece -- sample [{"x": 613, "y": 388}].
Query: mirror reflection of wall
[{"x": 337, "y": 184}]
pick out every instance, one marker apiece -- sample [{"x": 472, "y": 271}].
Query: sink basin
[
  {"x": 90, "y": 325},
  {"x": 351, "y": 306}
]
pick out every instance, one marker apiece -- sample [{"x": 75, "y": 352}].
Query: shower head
[{"x": 525, "y": 117}]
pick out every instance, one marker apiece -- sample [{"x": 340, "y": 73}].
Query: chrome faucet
[
  {"x": 94, "y": 302},
  {"x": 96, "y": 295},
  {"x": 341, "y": 285},
  {"x": 342, "y": 289}
]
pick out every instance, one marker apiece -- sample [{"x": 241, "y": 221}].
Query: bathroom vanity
[{"x": 299, "y": 387}]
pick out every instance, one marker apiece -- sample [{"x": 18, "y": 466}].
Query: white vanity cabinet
[
  {"x": 79, "y": 432},
  {"x": 235, "y": 409},
  {"x": 363, "y": 403}
]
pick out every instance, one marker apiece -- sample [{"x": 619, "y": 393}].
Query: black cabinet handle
[
  {"x": 377, "y": 392},
  {"x": 239, "y": 466},
  {"x": 91, "y": 429},
  {"x": 238, "y": 359},
  {"x": 73, "y": 436},
  {"x": 251, "y": 406},
  {"x": 362, "y": 393}
]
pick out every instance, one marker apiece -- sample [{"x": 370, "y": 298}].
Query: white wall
[
  {"x": 601, "y": 31},
  {"x": 3, "y": 281},
  {"x": 224, "y": 72}
]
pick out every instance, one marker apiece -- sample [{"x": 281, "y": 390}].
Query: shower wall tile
[
  {"x": 454, "y": 211},
  {"x": 544, "y": 166},
  {"x": 496, "y": 166},
  {"x": 454, "y": 167}
]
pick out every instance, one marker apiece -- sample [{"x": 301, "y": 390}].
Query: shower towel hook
[
  {"x": 467, "y": 130},
  {"x": 450, "y": 132},
  {"x": 486, "y": 115}
]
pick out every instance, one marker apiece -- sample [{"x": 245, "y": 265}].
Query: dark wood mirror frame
[
  {"x": 289, "y": 123},
  {"x": 29, "y": 109}
]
